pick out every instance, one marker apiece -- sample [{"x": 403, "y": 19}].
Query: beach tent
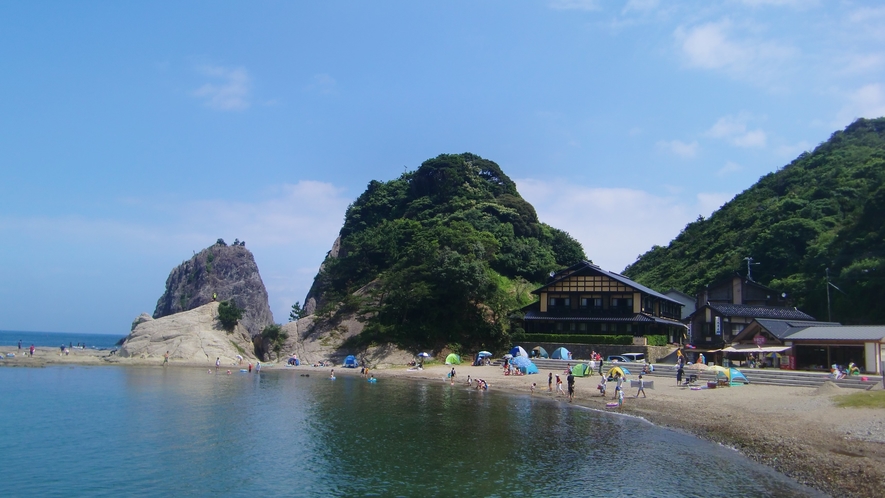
[
  {"x": 518, "y": 351},
  {"x": 734, "y": 376},
  {"x": 525, "y": 365},
  {"x": 540, "y": 352},
  {"x": 483, "y": 354},
  {"x": 582, "y": 370},
  {"x": 560, "y": 354},
  {"x": 350, "y": 361},
  {"x": 621, "y": 370},
  {"x": 453, "y": 359}
]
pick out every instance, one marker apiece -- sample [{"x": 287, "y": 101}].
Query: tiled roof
[
  {"x": 751, "y": 311},
  {"x": 783, "y": 328},
  {"x": 842, "y": 333}
]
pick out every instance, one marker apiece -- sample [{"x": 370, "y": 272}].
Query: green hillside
[
  {"x": 823, "y": 210},
  {"x": 451, "y": 250}
]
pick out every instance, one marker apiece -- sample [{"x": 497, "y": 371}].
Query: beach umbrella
[
  {"x": 508, "y": 356},
  {"x": 424, "y": 355},
  {"x": 483, "y": 354}
]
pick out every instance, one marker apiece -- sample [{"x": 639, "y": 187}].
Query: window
[
  {"x": 582, "y": 327},
  {"x": 604, "y": 327}
]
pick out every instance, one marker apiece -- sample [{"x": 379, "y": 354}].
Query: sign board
[
  {"x": 759, "y": 340},
  {"x": 718, "y": 325}
]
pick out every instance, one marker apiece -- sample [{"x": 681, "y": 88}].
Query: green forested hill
[
  {"x": 823, "y": 210},
  {"x": 452, "y": 248}
]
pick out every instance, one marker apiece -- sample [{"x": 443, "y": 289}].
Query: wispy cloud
[
  {"x": 791, "y": 151},
  {"x": 679, "y": 148},
  {"x": 229, "y": 91},
  {"x": 631, "y": 220},
  {"x": 574, "y": 4},
  {"x": 323, "y": 83},
  {"x": 740, "y": 53},
  {"x": 730, "y": 167},
  {"x": 867, "y": 101},
  {"x": 734, "y": 130}
]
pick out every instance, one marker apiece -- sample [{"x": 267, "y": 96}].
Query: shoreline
[{"x": 796, "y": 431}]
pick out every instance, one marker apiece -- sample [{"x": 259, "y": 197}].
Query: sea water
[
  {"x": 56, "y": 339},
  {"x": 128, "y": 431}
]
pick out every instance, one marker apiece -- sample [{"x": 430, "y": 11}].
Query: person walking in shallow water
[
  {"x": 217, "y": 363},
  {"x": 550, "y": 382},
  {"x": 166, "y": 358}
]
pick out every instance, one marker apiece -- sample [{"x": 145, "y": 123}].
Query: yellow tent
[{"x": 617, "y": 370}]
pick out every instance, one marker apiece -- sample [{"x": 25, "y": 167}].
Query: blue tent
[
  {"x": 525, "y": 365},
  {"x": 518, "y": 351},
  {"x": 350, "y": 362},
  {"x": 560, "y": 354}
]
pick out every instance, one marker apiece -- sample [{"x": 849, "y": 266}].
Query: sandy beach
[{"x": 797, "y": 431}]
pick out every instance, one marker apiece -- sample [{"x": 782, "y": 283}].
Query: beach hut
[
  {"x": 582, "y": 370},
  {"x": 540, "y": 352},
  {"x": 518, "y": 351},
  {"x": 350, "y": 362},
  {"x": 453, "y": 359},
  {"x": 525, "y": 365},
  {"x": 560, "y": 354}
]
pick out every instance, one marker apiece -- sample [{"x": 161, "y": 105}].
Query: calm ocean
[
  {"x": 56, "y": 339},
  {"x": 121, "y": 431}
]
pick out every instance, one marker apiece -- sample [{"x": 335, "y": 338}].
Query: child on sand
[
  {"x": 533, "y": 388},
  {"x": 559, "y": 386},
  {"x": 641, "y": 387},
  {"x": 620, "y": 397}
]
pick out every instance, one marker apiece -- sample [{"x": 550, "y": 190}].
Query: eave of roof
[{"x": 570, "y": 271}]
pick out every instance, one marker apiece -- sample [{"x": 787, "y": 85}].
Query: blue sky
[{"x": 135, "y": 133}]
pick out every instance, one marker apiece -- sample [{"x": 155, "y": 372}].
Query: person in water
[{"x": 332, "y": 374}]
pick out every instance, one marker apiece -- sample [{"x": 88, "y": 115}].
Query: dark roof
[
  {"x": 572, "y": 270},
  {"x": 841, "y": 333},
  {"x": 750, "y": 311},
  {"x": 783, "y": 328}
]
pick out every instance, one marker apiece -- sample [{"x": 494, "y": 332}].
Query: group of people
[{"x": 839, "y": 372}]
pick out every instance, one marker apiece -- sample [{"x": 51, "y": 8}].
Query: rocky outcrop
[
  {"x": 314, "y": 295},
  {"x": 144, "y": 317},
  {"x": 194, "y": 336},
  {"x": 227, "y": 272}
]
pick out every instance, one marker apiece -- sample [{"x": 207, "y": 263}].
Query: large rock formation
[
  {"x": 228, "y": 271},
  {"x": 193, "y": 336}
]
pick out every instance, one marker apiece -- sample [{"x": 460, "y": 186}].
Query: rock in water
[
  {"x": 230, "y": 273},
  {"x": 194, "y": 336}
]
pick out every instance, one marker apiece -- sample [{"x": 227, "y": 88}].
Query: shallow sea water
[{"x": 111, "y": 431}]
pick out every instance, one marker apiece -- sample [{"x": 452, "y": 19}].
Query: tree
[
  {"x": 229, "y": 315},
  {"x": 297, "y": 311},
  {"x": 275, "y": 336}
]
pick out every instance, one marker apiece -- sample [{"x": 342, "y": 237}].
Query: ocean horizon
[{"x": 56, "y": 339}]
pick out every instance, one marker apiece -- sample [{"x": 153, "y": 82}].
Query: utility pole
[{"x": 749, "y": 260}]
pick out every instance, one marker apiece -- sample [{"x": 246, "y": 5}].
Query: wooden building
[{"x": 585, "y": 299}]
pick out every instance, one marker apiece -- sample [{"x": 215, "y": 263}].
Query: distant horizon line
[{"x": 60, "y": 332}]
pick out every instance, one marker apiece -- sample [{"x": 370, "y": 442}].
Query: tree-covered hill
[
  {"x": 823, "y": 210},
  {"x": 451, "y": 250}
]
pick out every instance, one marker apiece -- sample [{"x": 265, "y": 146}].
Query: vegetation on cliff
[
  {"x": 823, "y": 210},
  {"x": 451, "y": 250}
]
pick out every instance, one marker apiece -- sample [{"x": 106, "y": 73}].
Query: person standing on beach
[
  {"x": 166, "y": 358},
  {"x": 571, "y": 387},
  {"x": 620, "y": 397},
  {"x": 19, "y": 344},
  {"x": 641, "y": 387},
  {"x": 679, "y": 373},
  {"x": 217, "y": 363},
  {"x": 32, "y": 350},
  {"x": 550, "y": 382},
  {"x": 559, "y": 386}
]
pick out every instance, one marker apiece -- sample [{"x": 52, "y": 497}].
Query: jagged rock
[
  {"x": 195, "y": 335},
  {"x": 312, "y": 301},
  {"x": 228, "y": 271},
  {"x": 144, "y": 317}
]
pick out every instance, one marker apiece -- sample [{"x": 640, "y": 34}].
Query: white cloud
[
  {"x": 574, "y": 4},
  {"x": 230, "y": 94},
  {"x": 716, "y": 46},
  {"x": 800, "y": 4},
  {"x": 867, "y": 14},
  {"x": 614, "y": 224},
  {"x": 711, "y": 201},
  {"x": 323, "y": 83},
  {"x": 680, "y": 148},
  {"x": 792, "y": 151},
  {"x": 734, "y": 130},
  {"x": 642, "y": 6},
  {"x": 867, "y": 101},
  {"x": 730, "y": 167}
]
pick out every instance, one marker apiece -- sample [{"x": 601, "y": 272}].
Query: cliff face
[{"x": 228, "y": 271}]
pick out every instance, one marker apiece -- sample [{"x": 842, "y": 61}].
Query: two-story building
[
  {"x": 726, "y": 306},
  {"x": 585, "y": 299}
]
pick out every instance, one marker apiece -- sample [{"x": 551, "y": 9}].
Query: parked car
[{"x": 626, "y": 357}]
